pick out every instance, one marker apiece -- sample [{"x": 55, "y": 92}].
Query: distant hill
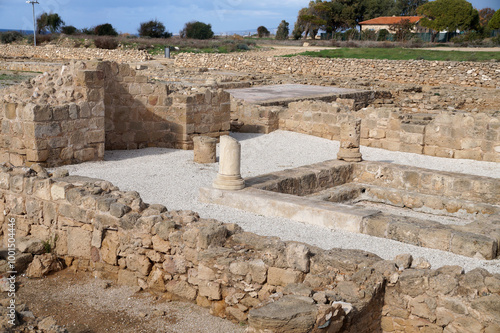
[{"x": 24, "y": 32}]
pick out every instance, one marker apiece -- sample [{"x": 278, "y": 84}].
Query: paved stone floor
[{"x": 286, "y": 91}]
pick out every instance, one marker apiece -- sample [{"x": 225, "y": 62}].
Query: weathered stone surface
[
  {"x": 30, "y": 245},
  {"x": 287, "y": 315},
  {"x": 283, "y": 277},
  {"x": 79, "y": 242},
  {"x": 43, "y": 265},
  {"x": 182, "y": 289}
]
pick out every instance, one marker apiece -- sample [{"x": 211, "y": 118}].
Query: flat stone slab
[
  {"x": 302, "y": 209},
  {"x": 262, "y": 94}
]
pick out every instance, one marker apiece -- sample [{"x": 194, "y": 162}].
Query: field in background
[{"x": 404, "y": 54}]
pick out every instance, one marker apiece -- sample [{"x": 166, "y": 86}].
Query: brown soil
[{"x": 83, "y": 304}]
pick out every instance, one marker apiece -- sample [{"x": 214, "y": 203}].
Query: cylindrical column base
[
  {"x": 349, "y": 155},
  {"x": 204, "y": 149},
  {"x": 224, "y": 182}
]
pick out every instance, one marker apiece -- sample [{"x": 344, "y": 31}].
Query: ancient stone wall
[
  {"x": 141, "y": 113},
  {"x": 453, "y": 135},
  {"x": 56, "y": 118},
  {"x": 67, "y": 116},
  {"x": 275, "y": 285},
  {"x": 480, "y": 74}
]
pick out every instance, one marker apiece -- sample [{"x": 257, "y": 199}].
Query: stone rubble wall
[
  {"x": 277, "y": 286},
  {"x": 72, "y": 114},
  {"x": 480, "y": 74},
  {"x": 64, "y": 53},
  {"x": 453, "y": 135}
]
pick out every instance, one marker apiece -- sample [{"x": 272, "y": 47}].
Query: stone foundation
[
  {"x": 92, "y": 225},
  {"x": 327, "y": 194}
]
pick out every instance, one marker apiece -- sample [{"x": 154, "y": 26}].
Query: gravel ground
[
  {"x": 170, "y": 177},
  {"x": 83, "y": 304}
]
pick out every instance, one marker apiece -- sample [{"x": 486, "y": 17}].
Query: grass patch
[{"x": 403, "y": 54}]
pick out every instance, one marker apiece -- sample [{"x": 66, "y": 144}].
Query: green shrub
[
  {"x": 68, "y": 30},
  {"x": 197, "y": 30},
  {"x": 382, "y": 35},
  {"x": 105, "y": 30},
  {"x": 351, "y": 34},
  {"x": 368, "y": 35},
  {"x": 108, "y": 43},
  {"x": 262, "y": 31},
  {"x": 243, "y": 47},
  {"x": 10, "y": 36},
  {"x": 153, "y": 29}
]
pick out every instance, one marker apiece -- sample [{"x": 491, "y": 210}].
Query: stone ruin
[
  {"x": 275, "y": 286},
  {"x": 75, "y": 113}
]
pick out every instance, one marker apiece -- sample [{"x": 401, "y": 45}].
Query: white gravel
[{"x": 170, "y": 177}]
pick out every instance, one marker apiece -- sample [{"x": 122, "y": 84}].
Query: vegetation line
[{"x": 402, "y": 54}]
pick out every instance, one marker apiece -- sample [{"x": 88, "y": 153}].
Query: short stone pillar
[
  {"x": 350, "y": 136},
  {"x": 204, "y": 149},
  {"x": 229, "y": 177}
]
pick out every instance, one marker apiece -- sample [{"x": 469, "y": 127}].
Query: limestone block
[
  {"x": 139, "y": 263},
  {"x": 84, "y": 155},
  {"x": 258, "y": 270},
  {"x": 160, "y": 245},
  {"x": 58, "y": 190},
  {"x": 109, "y": 248},
  {"x": 290, "y": 314},
  {"x": 127, "y": 278},
  {"x": 209, "y": 289},
  {"x": 182, "y": 289},
  {"x": 282, "y": 277},
  {"x": 205, "y": 273},
  {"x": 239, "y": 268},
  {"x": 474, "y": 245},
  {"x": 79, "y": 242},
  {"x": 297, "y": 257}
]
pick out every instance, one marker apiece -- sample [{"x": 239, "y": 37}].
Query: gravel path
[{"x": 170, "y": 177}]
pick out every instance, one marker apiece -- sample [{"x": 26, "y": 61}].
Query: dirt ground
[{"x": 83, "y": 304}]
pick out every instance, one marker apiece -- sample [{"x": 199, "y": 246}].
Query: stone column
[
  {"x": 204, "y": 149},
  {"x": 229, "y": 177},
  {"x": 350, "y": 136}
]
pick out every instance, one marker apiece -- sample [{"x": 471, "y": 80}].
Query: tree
[
  {"x": 407, "y": 7},
  {"x": 153, "y": 29},
  {"x": 494, "y": 23},
  {"x": 105, "y": 29},
  {"x": 262, "y": 31},
  {"x": 68, "y": 30},
  {"x": 485, "y": 16},
  {"x": 283, "y": 31},
  {"x": 449, "y": 15},
  {"x": 49, "y": 22},
  {"x": 197, "y": 30},
  {"x": 402, "y": 29},
  {"x": 376, "y": 8}
]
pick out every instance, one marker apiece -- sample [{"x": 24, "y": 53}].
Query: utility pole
[{"x": 33, "y": 2}]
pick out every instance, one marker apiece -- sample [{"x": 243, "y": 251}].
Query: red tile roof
[{"x": 388, "y": 20}]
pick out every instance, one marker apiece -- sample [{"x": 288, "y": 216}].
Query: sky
[{"x": 126, "y": 15}]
